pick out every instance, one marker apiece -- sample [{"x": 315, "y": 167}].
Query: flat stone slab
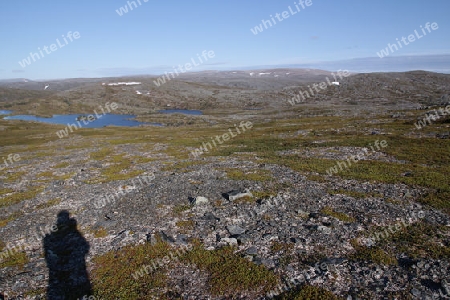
[
  {"x": 234, "y": 195},
  {"x": 235, "y": 230}
]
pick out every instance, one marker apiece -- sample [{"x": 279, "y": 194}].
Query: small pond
[
  {"x": 83, "y": 120},
  {"x": 5, "y": 112}
]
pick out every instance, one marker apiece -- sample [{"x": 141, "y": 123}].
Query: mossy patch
[
  {"x": 230, "y": 273},
  {"x": 338, "y": 215},
  {"x": 61, "y": 165},
  {"x": 5, "y": 220},
  {"x": 178, "y": 209},
  {"x": 119, "y": 169},
  {"x": 45, "y": 174},
  {"x": 20, "y": 196},
  {"x": 185, "y": 225},
  {"x": 112, "y": 274},
  {"x": 308, "y": 292},
  {"x": 245, "y": 200},
  {"x": 13, "y": 177},
  {"x": 372, "y": 254},
  {"x": 422, "y": 240},
  {"x": 101, "y": 154},
  {"x": 49, "y": 203},
  {"x": 100, "y": 232},
  {"x": 181, "y": 166},
  {"x": 18, "y": 259},
  {"x": 277, "y": 246},
  {"x": 4, "y": 191}
]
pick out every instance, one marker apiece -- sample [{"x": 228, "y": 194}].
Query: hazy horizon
[{"x": 435, "y": 63}]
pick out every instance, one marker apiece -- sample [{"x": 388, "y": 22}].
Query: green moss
[
  {"x": 373, "y": 254},
  {"x": 20, "y": 196},
  {"x": 101, "y": 154},
  {"x": 422, "y": 240},
  {"x": 308, "y": 292},
  {"x": 17, "y": 259},
  {"x": 229, "y": 273},
  {"x": 417, "y": 240},
  {"x": 119, "y": 170},
  {"x": 178, "y": 209},
  {"x": 36, "y": 292},
  {"x": 438, "y": 199},
  {"x": 338, "y": 215},
  {"x": 177, "y": 152},
  {"x": 141, "y": 159},
  {"x": 277, "y": 246},
  {"x": 317, "y": 178},
  {"x": 100, "y": 232},
  {"x": 181, "y": 166},
  {"x": 245, "y": 200},
  {"x": 185, "y": 225},
  {"x": 45, "y": 174},
  {"x": 112, "y": 274},
  {"x": 49, "y": 203},
  {"x": 13, "y": 177},
  {"x": 61, "y": 165},
  {"x": 5, "y": 220},
  {"x": 4, "y": 191}
]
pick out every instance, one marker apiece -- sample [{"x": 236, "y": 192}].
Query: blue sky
[{"x": 157, "y": 35}]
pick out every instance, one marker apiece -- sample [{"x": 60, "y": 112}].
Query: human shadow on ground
[{"x": 65, "y": 251}]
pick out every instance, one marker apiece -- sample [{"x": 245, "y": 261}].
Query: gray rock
[
  {"x": 244, "y": 238},
  {"x": 230, "y": 241},
  {"x": 210, "y": 217},
  {"x": 166, "y": 238},
  {"x": 200, "y": 200},
  {"x": 416, "y": 293},
  {"x": 324, "y": 229},
  {"x": 252, "y": 251},
  {"x": 235, "y": 230},
  {"x": 151, "y": 238},
  {"x": 182, "y": 239},
  {"x": 234, "y": 195},
  {"x": 269, "y": 263}
]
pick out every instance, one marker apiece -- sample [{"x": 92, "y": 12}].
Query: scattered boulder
[
  {"x": 235, "y": 230},
  {"x": 166, "y": 238},
  {"x": 230, "y": 241},
  {"x": 234, "y": 194},
  {"x": 151, "y": 238},
  {"x": 200, "y": 200},
  {"x": 210, "y": 217},
  {"x": 252, "y": 251},
  {"x": 182, "y": 239}
]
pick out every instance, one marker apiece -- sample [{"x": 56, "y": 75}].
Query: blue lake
[
  {"x": 5, "y": 112},
  {"x": 101, "y": 121},
  {"x": 181, "y": 111}
]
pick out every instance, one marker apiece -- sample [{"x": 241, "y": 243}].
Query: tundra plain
[{"x": 165, "y": 224}]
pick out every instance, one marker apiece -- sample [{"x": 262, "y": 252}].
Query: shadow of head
[{"x": 64, "y": 222}]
